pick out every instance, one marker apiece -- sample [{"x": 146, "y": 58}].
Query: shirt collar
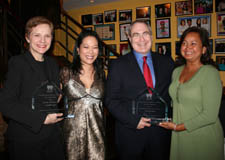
[{"x": 140, "y": 56}]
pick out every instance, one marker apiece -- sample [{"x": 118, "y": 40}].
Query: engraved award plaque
[
  {"x": 151, "y": 105},
  {"x": 45, "y": 97}
]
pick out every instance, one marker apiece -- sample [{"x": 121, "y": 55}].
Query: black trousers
[
  {"x": 147, "y": 144},
  {"x": 46, "y": 149}
]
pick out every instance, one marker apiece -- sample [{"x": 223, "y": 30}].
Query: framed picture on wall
[
  {"x": 183, "y": 23},
  {"x": 220, "y": 5},
  {"x": 211, "y": 45},
  {"x": 124, "y": 31},
  {"x": 125, "y": 15},
  {"x": 163, "y": 10},
  {"x": 220, "y": 46},
  {"x": 220, "y": 61},
  {"x": 177, "y": 47},
  {"x": 221, "y": 24},
  {"x": 86, "y": 19},
  {"x": 203, "y": 6},
  {"x": 183, "y": 8},
  {"x": 163, "y": 48},
  {"x": 108, "y": 52},
  {"x": 106, "y": 31},
  {"x": 163, "y": 28},
  {"x": 97, "y": 19},
  {"x": 143, "y": 12},
  {"x": 124, "y": 48},
  {"x": 110, "y": 16}
]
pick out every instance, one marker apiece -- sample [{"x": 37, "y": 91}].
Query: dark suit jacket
[
  {"x": 126, "y": 81},
  {"x": 24, "y": 75}
]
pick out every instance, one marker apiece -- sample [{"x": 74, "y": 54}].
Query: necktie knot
[{"x": 145, "y": 58}]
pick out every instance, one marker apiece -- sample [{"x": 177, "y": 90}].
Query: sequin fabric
[{"x": 84, "y": 134}]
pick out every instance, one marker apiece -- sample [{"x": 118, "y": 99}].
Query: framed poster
[
  {"x": 220, "y": 46},
  {"x": 124, "y": 48},
  {"x": 124, "y": 31},
  {"x": 106, "y": 31},
  {"x": 86, "y": 19},
  {"x": 220, "y": 5},
  {"x": 183, "y": 23},
  {"x": 221, "y": 24},
  {"x": 110, "y": 16},
  {"x": 220, "y": 61},
  {"x": 97, "y": 19},
  {"x": 183, "y": 8},
  {"x": 203, "y": 6},
  {"x": 163, "y": 48},
  {"x": 125, "y": 15},
  {"x": 108, "y": 52},
  {"x": 143, "y": 12},
  {"x": 163, "y": 28},
  {"x": 163, "y": 10}
]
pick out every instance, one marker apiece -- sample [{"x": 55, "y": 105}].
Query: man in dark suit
[{"x": 136, "y": 137}]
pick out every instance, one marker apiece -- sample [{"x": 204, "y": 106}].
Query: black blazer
[
  {"x": 24, "y": 75},
  {"x": 126, "y": 81}
]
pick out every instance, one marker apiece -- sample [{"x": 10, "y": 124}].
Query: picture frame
[
  {"x": 163, "y": 28},
  {"x": 221, "y": 24},
  {"x": 105, "y": 31},
  {"x": 88, "y": 28},
  {"x": 177, "y": 48},
  {"x": 220, "y": 46},
  {"x": 124, "y": 31},
  {"x": 124, "y": 48},
  {"x": 220, "y": 61},
  {"x": 163, "y": 10},
  {"x": 220, "y": 6},
  {"x": 203, "y": 6},
  {"x": 97, "y": 19},
  {"x": 86, "y": 19},
  {"x": 163, "y": 48},
  {"x": 203, "y": 21},
  {"x": 125, "y": 16},
  {"x": 143, "y": 12},
  {"x": 183, "y": 8},
  {"x": 110, "y": 16},
  {"x": 108, "y": 52}
]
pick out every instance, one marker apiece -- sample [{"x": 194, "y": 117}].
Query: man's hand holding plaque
[{"x": 151, "y": 106}]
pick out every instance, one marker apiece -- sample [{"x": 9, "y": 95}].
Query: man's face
[{"x": 140, "y": 38}]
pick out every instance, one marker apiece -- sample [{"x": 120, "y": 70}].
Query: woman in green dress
[{"x": 196, "y": 91}]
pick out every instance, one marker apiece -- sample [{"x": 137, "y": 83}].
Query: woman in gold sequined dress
[{"x": 83, "y": 87}]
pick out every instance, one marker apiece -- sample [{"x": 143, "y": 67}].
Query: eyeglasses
[{"x": 144, "y": 35}]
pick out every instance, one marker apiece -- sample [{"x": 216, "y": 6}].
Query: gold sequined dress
[{"x": 84, "y": 134}]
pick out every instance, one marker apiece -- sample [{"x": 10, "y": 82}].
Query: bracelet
[{"x": 175, "y": 126}]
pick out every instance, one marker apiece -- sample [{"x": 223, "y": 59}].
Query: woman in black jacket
[{"x": 32, "y": 134}]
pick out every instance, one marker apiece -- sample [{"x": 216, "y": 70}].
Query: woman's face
[
  {"x": 191, "y": 47},
  {"x": 88, "y": 50},
  {"x": 39, "y": 39}
]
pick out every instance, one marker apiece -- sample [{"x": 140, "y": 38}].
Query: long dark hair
[
  {"x": 76, "y": 64},
  {"x": 204, "y": 37}
]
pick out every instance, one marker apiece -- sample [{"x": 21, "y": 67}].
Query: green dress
[{"x": 196, "y": 104}]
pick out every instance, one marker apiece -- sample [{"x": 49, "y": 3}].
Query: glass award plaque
[
  {"x": 45, "y": 98},
  {"x": 66, "y": 109},
  {"x": 151, "y": 105}
]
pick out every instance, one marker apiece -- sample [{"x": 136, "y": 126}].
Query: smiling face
[
  {"x": 39, "y": 40},
  {"x": 192, "y": 48},
  {"x": 140, "y": 38},
  {"x": 88, "y": 50}
]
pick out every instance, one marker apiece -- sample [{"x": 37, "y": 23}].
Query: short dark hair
[{"x": 204, "y": 37}]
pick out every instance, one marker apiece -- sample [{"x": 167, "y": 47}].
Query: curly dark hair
[
  {"x": 76, "y": 64},
  {"x": 204, "y": 37}
]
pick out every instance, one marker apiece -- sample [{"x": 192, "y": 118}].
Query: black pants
[
  {"x": 46, "y": 149},
  {"x": 147, "y": 144}
]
